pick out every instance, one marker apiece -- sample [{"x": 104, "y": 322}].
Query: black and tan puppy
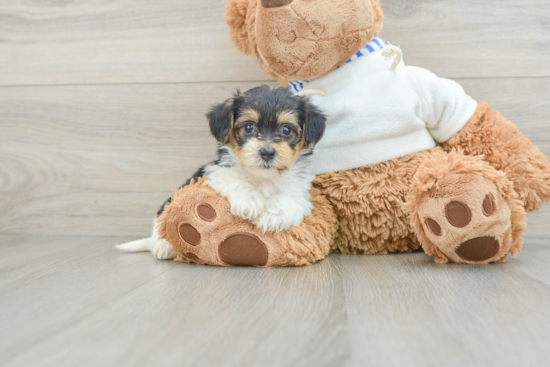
[{"x": 266, "y": 136}]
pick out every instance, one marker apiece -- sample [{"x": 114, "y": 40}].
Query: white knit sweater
[{"x": 376, "y": 115}]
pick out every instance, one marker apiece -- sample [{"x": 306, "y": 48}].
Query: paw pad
[
  {"x": 458, "y": 214},
  {"x": 488, "y": 205},
  {"x": 189, "y": 234},
  {"x": 206, "y": 212},
  {"x": 478, "y": 249},
  {"x": 434, "y": 226},
  {"x": 243, "y": 249}
]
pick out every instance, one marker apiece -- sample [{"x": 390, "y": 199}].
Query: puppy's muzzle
[{"x": 267, "y": 154}]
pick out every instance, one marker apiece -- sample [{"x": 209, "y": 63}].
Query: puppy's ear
[
  {"x": 235, "y": 17},
  {"x": 315, "y": 123},
  {"x": 220, "y": 119}
]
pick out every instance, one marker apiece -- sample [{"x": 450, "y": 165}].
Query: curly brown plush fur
[
  {"x": 499, "y": 142},
  {"x": 241, "y": 24},
  {"x": 370, "y": 204}
]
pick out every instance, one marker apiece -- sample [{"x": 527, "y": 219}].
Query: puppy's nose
[
  {"x": 275, "y": 3},
  {"x": 267, "y": 153}
]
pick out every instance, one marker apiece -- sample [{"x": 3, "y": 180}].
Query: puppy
[{"x": 266, "y": 137}]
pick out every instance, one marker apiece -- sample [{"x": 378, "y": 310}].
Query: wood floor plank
[
  {"x": 205, "y": 316},
  {"x": 42, "y": 298},
  {"x": 537, "y": 224},
  {"x": 24, "y": 255},
  {"x": 166, "y": 41},
  {"x": 534, "y": 261},
  {"x": 101, "y": 159},
  {"x": 95, "y": 306},
  {"x": 407, "y": 310}
]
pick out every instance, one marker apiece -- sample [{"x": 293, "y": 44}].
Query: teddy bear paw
[
  {"x": 202, "y": 234},
  {"x": 473, "y": 227},
  {"x": 239, "y": 248},
  {"x": 201, "y": 229}
]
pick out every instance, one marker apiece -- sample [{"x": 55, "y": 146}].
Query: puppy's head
[{"x": 267, "y": 128}]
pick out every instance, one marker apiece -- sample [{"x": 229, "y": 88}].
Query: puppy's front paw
[
  {"x": 162, "y": 250},
  {"x": 275, "y": 221},
  {"x": 248, "y": 207}
]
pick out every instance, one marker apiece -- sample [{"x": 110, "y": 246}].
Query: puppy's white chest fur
[{"x": 272, "y": 200}]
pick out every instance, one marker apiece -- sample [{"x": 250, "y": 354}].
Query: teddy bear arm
[
  {"x": 442, "y": 104},
  {"x": 200, "y": 228}
]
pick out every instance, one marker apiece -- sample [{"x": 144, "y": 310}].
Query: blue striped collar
[{"x": 376, "y": 44}]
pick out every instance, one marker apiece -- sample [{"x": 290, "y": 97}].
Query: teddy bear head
[{"x": 302, "y": 39}]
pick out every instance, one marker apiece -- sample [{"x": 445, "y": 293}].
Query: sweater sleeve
[{"x": 442, "y": 103}]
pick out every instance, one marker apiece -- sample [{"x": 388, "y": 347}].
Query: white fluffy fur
[
  {"x": 160, "y": 249},
  {"x": 271, "y": 200}
]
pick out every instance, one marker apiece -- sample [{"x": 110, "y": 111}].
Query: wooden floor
[
  {"x": 102, "y": 109},
  {"x": 75, "y": 301}
]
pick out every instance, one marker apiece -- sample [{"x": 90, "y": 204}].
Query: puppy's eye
[
  {"x": 249, "y": 128},
  {"x": 285, "y": 130}
]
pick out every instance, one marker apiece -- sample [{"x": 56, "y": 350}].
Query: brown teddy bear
[{"x": 408, "y": 159}]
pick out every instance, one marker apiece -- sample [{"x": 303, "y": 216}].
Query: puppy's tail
[{"x": 135, "y": 246}]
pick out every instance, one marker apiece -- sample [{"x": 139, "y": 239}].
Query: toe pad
[
  {"x": 478, "y": 249},
  {"x": 243, "y": 249},
  {"x": 458, "y": 214},
  {"x": 206, "y": 212},
  {"x": 189, "y": 234}
]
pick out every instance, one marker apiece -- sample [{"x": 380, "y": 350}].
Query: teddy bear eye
[{"x": 249, "y": 128}]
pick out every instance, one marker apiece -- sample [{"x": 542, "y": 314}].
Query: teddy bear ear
[{"x": 235, "y": 17}]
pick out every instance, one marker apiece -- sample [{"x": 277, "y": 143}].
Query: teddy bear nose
[
  {"x": 275, "y": 3},
  {"x": 267, "y": 153}
]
